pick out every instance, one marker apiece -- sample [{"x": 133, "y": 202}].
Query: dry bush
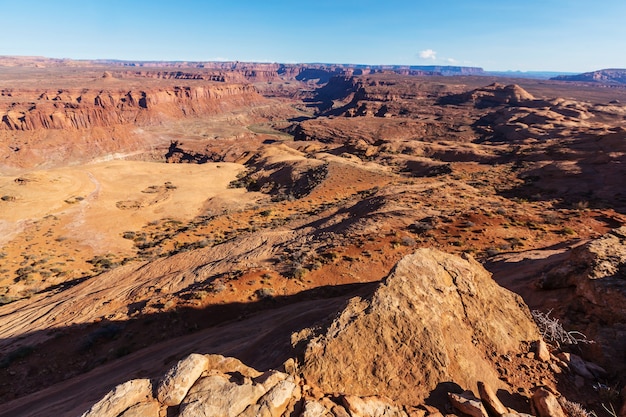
[
  {"x": 574, "y": 409},
  {"x": 552, "y": 331}
]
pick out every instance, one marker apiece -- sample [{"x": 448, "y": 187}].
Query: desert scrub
[
  {"x": 6, "y": 299},
  {"x": 264, "y": 293},
  {"x": 421, "y": 227},
  {"x": 74, "y": 200},
  {"x": 102, "y": 334},
  {"x": 103, "y": 263},
  {"x": 552, "y": 331},
  {"x": 574, "y": 409},
  {"x": 19, "y": 353},
  {"x": 296, "y": 271}
]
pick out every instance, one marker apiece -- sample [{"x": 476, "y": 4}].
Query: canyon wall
[{"x": 85, "y": 108}]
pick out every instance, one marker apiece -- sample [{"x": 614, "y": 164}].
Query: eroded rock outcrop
[
  {"x": 492, "y": 95},
  {"x": 203, "y": 385},
  {"x": 436, "y": 317},
  {"x": 598, "y": 271},
  {"x": 84, "y": 109}
]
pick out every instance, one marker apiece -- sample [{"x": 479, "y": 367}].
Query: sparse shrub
[
  {"x": 8, "y": 198},
  {"x": 297, "y": 271},
  {"x": 610, "y": 409},
  {"x": 151, "y": 189},
  {"x": 551, "y": 218},
  {"x": 408, "y": 241},
  {"x": 102, "y": 263},
  {"x": 552, "y": 331},
  {"x": 581, "y": 205},
  {"x": 514, "y": 242},
  {"x": 6, "y": 299},
  {"x": 330, "y": 256},
  {"x": 199, "y": 295},
  {"x": 609, "y": 394},
  {"x": 74, "y": 200},
  {"x": 19, "y": 353},
  {"x": 122, "y": 351},
  {"x": 568, "y": 231},
  {"x": 217, "y": 286},
  {"x": 492, "y": 251},
  {"x": 501, "y": 211},
  {"x": 264, "y": 293},
  {"x": 574, "y": 409},
  {"x": 266, "y": 213},
  {"x": 203, "y": 243},
  {"x": 22, "y": 274},
  {"x": 128, "y": 235},
  {"x": 107, "y": 332},
  {"x": 421, "y": 227}
]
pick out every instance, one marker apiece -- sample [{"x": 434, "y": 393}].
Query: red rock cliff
[{"x": 85, "y": 108}]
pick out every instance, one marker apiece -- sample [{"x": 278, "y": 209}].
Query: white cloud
[
  {"x": 428, "y": 54},
  {"x": 452, "y": 61}
]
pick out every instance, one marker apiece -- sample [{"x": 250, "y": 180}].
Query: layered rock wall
[{"x": 84, "y": 109}]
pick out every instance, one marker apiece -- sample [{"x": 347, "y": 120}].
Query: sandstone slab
[{"x": 121, "y": 398}]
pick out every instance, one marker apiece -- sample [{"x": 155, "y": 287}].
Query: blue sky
[{"x": 557, "y": 35}]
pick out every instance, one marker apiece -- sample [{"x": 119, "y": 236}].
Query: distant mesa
[
  {"x": 490, "y": 96},
  {"x": 605, "y": 76}
]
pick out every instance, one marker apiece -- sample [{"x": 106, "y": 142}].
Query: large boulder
[{"x": 435, "y": 318}]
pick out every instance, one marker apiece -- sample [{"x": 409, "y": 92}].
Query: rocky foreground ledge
[
  {"x": 214, "y": 385},
  {"x": 437, "y": 325}
]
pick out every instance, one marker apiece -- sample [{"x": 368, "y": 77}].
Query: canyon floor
[{"x": 148, "y": 214}]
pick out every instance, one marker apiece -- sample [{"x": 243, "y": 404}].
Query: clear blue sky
[{"x": 559, "y": 35}]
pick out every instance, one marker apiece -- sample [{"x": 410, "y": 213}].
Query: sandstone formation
[
  {"x": 491, "y": 96},
  {"x": 202, "y": 390},
  {"x": 605, "y": 76},
  {"x": 596, "y": 270},
  {"x": 433, "y": 319},
  {"x": 122, "y": 398},
  {"x": 87, "y": 109}
]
